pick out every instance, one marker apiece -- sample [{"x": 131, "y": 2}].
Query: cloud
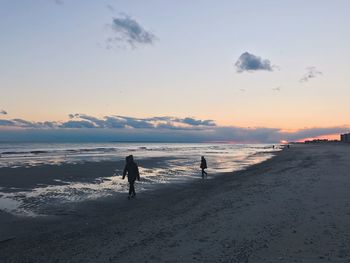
[
  {"x": 110, "y": 7},
  {"x": 96, "y": 122},
  {"x": 3, "y": 112},
  {"x": 7, "y": 123},
  {"x": 249, "y": 62},
  {"x": 59, "y": 2},
  {"x": 24, "y": 123},
  {"x": 159, "y": 128},
  {"x": 269, "y": 135},
  {"x": 128, "y": 31},
  {"x": 78, "y": 121},
  {"x": 277, "y": 89},
  {"x": 195, "y": 122},
  {"x": 314, "y": 132},
  {"x": 19, "y": 123},
  {"x": 163, "y": 134},
  {"x": 136, "y": 123},
  {"x": 311, "y": 72},
  {"x": 77, "y": 124}
]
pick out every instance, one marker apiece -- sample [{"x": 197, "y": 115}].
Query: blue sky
[{"x": 145, "y": 59}]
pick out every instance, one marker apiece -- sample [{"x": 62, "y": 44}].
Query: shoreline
[
  {"x": 294, "y": 207},
  {"x": 31, "y": 190}
]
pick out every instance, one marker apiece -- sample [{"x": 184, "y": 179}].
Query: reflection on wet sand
[{"x": 92, "y": 178}]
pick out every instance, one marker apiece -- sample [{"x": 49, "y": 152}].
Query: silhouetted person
[
  {"x": 132, "y": 171},
  {"x": 203, "y": 167}
]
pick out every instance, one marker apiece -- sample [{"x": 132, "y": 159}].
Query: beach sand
[{"x": 294, "y": 207}]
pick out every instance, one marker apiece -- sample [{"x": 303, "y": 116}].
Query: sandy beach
[{"x": 294, "y": 207}]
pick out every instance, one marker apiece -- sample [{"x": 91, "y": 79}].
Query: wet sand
[
  {"x": 294, "y": 207},
  {"x": 28, "y": 178}
]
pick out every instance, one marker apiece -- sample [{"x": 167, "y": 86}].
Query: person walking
[
  {"x": 132, "y": 171},
  {"x": 203, "y": 167}
]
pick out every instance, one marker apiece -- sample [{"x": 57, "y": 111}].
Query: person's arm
[
  {"x": 124, "y": 172},
  {"x": 137, "y": 173}
]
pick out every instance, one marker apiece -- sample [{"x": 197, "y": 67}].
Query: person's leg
[
  {"x": 132, "y": 188},
  {"x": 203, "y": 173}
]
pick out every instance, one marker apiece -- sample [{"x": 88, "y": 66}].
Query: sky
[{"x": 240, "y": 71}]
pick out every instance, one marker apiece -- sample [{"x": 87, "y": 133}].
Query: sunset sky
[{"x": 238, "y": 68}]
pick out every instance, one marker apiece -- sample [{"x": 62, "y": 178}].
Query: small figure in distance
[
  {"x": 132, "y": 170},
  {"x": 203, "y": 167},
  {"x": 273, "y": 146}
]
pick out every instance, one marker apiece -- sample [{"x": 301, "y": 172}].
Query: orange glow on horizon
[{"x": 321, "y": 137}]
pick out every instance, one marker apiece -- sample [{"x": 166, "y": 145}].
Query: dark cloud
[
  {"x": 77, "y": 124},
  {"x": 163, "y": 133},
  {"x": 49, "y": 124},
  {"x": 19, "y": 123},
  {"x": 194, "y": 122},
  {"x": 138, "y": 123},
  {"x": 86, "y": 121},
  {"x": 128, "y": 31},
  {"x": 7, "y": 123},
  {"x": 3, "y": 112},
  {"x": 249, "y": 62},
  {"x": 115, "y": 122},
  {"x": 144, "y": 123},
  {"x": 26, "y": 124},
  {"x": 72, "y": 116},
  {"x": 164, "y": 128},
  {"x": 96, "y": 122},
  {"x": 311, "y": 72},
  {"x": 110, "y": 7}
]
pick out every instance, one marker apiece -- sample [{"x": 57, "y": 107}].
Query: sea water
[{"x": 179, "y": 163}]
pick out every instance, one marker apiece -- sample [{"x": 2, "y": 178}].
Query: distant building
[
  {"x": 321, "y": 141},
  {"x": 345, "y": 137}
]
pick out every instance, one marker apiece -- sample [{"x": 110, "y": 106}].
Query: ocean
[{"x": 175, "y": 163}]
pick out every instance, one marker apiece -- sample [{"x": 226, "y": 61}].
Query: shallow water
[
  {"x": 179, "y": 163},
  {"x": 33, "y": 154}
]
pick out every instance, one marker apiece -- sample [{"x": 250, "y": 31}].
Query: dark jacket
[
  {"x": 203, "y": 164},
  {"x": 132, "y": 170}
]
